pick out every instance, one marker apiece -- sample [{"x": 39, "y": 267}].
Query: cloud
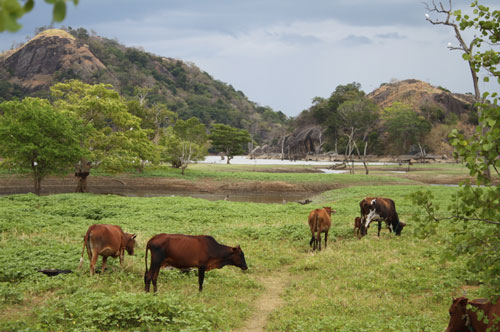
[
  {"x": 391, "y": 35},
  {"x": 353, "y": 40}
]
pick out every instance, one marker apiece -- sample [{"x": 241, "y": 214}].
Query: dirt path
[{"x": 269, "y": 301}]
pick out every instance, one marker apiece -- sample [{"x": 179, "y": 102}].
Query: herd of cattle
[{"x": 205, "y": 253}]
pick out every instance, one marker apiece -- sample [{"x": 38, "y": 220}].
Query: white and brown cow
[{"x": 380, "y": 209}]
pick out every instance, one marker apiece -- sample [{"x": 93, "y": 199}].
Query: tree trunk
[
  {"x": 38, "y": 184},
  {"x": 82, "y": 171}
]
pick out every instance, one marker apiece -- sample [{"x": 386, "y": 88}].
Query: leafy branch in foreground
[{"x": 472, "y": 224}]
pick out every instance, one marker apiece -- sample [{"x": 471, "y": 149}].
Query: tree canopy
[
  {"x": 37, "y": 138},
  {"x": 113, "y": 137},
  {"x": 228, "y": 140},
  {"x": 186, "y": 141}
]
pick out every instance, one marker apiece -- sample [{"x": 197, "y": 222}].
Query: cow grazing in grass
[
  {"x": 106, "y": 241},
  {"x": 379, "y": 209},
  {"x": 463, "y": 319},
  {"x": 319, "y": 222},
  {"x": 357, "y": 227},
  {"x": 186, "y": 251}
]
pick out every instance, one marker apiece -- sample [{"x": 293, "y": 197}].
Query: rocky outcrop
[
  {"x": 302, "y": 142},
  {"x": 49, "y": 56},
  {"x": 418, "y": 94}
]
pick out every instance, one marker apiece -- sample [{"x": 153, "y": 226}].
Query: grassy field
[{"x": 387, "y": 284}]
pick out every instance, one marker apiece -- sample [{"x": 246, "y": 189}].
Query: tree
[
  {"x": 404, "y": 126},
  {"x": 228, "y": 140},
  {"x": 184, "y": 143},
  {"x": 37, "y": 138},
  {"x": 113, "y": 137},
  {"x": 357, "y": 117},
  {"x": 474, "y": 215},
  {"x": 12, "y": 10}
]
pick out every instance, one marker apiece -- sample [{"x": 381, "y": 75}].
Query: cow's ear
[{"x": 134, "y": 236}]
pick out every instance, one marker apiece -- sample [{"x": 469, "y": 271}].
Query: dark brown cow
[
  {"x": 380, "y": 209},
  {"x": 106, "y": 241},
  {"x": 357, "y": 227},
  {"x": 463, "y": 319},
  {"x": 319, "y": 222},
  {"x": 186, "y": 251}
]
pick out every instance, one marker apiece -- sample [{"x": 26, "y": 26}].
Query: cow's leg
[
  {"x": 318, "y": 239},
  {"x": 312, "y": 241},
  {"x": 155, "y": 273},
  {"x": 93, "y": 261},
  {"x": 201, "y": 277},
  {"x": 104, "y": 260},
  {"x": 326, "y": 238},
  {"x": 122, "y": 253},
  {"x": 379, "y": 228}
]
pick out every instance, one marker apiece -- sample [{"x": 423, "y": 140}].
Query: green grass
[{"x": 387, "y": 284}]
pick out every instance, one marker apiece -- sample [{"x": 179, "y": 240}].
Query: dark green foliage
[{"x": 229, "y": 140}]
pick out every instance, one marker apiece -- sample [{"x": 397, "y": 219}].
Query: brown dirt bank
[{"x": 123, "y": 185}]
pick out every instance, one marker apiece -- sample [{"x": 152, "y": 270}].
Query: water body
[{"x": 245, "y": 160}]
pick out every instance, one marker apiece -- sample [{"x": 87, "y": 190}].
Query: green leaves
[
  {"x": 228, "y": 139},
  {"x": 12, "y": 10},
  {"x": 38, "y": 138}
]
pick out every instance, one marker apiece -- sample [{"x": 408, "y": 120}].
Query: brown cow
[
  {"x": 380, "y": 209},
  {"x": 357, "y": 227},
  {"x": 106, "y": 240},
  {"x": 319, "y": 222},
  {"x": 463, "y": 319},
  {"x": 185, "y": 251}
]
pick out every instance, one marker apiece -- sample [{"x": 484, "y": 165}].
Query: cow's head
[
  {"x": 238, "y": 258},
  {"x": 130, "y": 243},
  {"x": 329, "y": 210},
  {"x": 459, "y": 319},
  {"x": 399, "y": 228}
]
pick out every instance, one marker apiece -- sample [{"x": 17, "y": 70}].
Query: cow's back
[
  {"x": 182, "y": 251},
  {"x": 324, "y": 220},
  {"x": 106, "y": 239}
]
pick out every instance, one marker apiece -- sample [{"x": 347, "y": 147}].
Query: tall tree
[
  {"x": 404, "y": 126},
  {"x": 474, "y": 213},
  {"x": 228, "y": 140},
  {"x": 113, "y": 138},
  {"x": 37, "y": 138},
  {"x": 185, "y": 142}
]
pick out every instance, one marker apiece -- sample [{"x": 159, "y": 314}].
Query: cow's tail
[
  {"x": 146, "y": 258},
  {"x": 316, "y": 227},
  {"x": 83, "y": 251},
  {"x": 86, "y": 245}
]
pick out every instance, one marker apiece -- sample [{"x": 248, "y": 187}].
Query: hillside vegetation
[{"x": 55, "y": 55}]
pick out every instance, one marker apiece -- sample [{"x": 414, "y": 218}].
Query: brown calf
[
  {"x": 357, "y": 227},
  {"x": 186, "y": 251},
  {"x": 106, "y": 241},
  {"x": 463, "y": 319},
  {"x": 319, "y": 222}
]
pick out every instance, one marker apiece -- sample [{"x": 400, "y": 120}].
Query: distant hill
[
  {"x": 442, "y": 109},
  {"x": 56, "y": 55},
  {"x": 421, "y": 94}
]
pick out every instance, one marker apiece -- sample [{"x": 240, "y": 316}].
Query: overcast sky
[{"x": 280, "y": 53}]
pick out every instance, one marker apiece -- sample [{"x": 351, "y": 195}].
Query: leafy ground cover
[{"x": 391, "y": 283}]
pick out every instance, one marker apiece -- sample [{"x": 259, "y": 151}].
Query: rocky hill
[
  {"x": 421, "y": 95},
  {"x": 56, "y": 55}
]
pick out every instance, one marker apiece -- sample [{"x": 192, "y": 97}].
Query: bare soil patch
[
  {"x": 267, "y": 303},
  {"x": 123, "y": 185}
]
